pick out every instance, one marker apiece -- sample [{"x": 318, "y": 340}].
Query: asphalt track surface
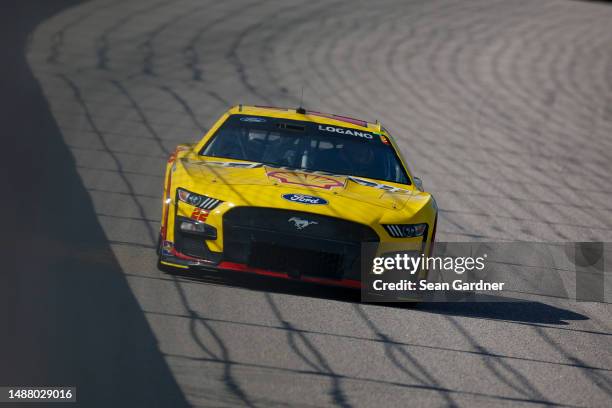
[{"x": 504, "y": 108}]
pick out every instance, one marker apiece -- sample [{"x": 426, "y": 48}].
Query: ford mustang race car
[{"x": 292, "y": 194}]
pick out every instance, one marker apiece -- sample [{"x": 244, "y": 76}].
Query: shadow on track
[
  {"x": 502, "y": 308},
  {"x": 69, "y": 316},
  {"x": 485, "y": 306}
]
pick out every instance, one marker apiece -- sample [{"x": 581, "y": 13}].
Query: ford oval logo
[
  {"x": 253, "y": 119},
  {"x": 304, "y": 199}
]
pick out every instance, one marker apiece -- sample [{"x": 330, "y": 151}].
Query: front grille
[
  {"x": 279, "y": 240},
  {"x": 272, "y": 219}
]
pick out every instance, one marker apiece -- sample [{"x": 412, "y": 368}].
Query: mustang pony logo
[
  {"x": 300, "y": 223},
  {"x": 305, "y": 179}
]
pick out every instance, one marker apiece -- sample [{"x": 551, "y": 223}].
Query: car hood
[{"x": 253, "y": 184}]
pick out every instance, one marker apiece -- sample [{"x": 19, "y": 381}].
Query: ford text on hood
[{"x": 291, "y": 194}]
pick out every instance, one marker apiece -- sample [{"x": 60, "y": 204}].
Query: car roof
[{"x": 308, "y": 116}]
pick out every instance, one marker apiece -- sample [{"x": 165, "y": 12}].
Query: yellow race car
[{"x": 290, "y": 193}]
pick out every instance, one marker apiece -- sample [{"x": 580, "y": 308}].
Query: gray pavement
[{"x": 504, "y": 108}]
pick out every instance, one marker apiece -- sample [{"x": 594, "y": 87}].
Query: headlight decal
[
  {"x": 197, "y": 200},
  {"x": 405, "y": 230}
]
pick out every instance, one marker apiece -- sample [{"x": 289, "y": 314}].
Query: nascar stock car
[{"x": 292, "y": 194}]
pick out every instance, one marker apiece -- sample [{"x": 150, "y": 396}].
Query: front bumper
[
  {"x": 172, "y": 258},
  {"x": 269, "y": 241},
  {"x": 265, "y": 241}
]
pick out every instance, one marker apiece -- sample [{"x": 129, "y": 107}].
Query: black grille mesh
[
  {"x": 267, "y": 238},
  {"x": 296, "y": 261}
]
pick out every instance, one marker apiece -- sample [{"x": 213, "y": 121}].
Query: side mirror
[{"x": 418, "y": 183}]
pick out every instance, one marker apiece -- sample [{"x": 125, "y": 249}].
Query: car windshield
[{"x": 308, "y": 146}]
